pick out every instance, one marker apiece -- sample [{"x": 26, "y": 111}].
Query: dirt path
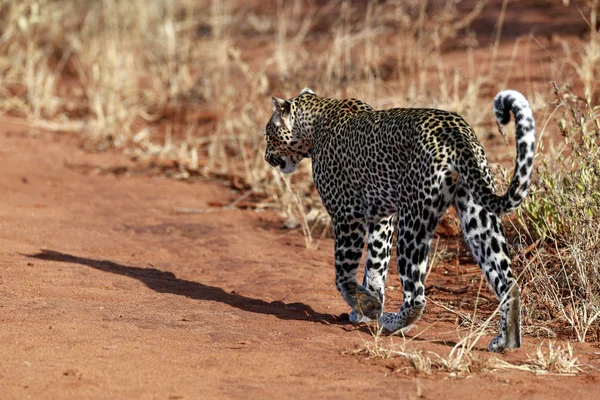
[{"x": 106, "y": 292}]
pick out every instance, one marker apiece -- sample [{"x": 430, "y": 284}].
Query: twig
[
  {"x": 447, "y": 290},
  {"x": 229, "y": 206}
]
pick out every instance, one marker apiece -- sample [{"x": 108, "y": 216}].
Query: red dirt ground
[{"x": 106, "y": 292}]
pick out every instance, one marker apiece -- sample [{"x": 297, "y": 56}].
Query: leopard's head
[{"x": 287, "y": 144}]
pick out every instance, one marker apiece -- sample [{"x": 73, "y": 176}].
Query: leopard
[{"x": 397, "y": 171}]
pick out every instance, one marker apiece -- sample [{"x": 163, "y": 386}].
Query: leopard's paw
[
  {"x": 368, "y": 305},
  {"x": 357, "y": 318}
]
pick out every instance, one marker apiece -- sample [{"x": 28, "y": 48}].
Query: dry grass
[
  {"x": 562, "y": 266},
  {"x": 555, "y": 359},
  {"x": 170, "y": 79},
  {"x": 464, "y": 361}
]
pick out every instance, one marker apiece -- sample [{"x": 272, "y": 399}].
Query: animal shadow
[{"x": 166, "y": 282}]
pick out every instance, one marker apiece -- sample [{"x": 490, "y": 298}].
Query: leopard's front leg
[
  {"x": 379, "y": 250},
  {"x": 349, "y": 244}
]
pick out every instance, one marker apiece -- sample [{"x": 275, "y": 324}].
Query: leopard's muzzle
[{"x": 275, "y": 161}]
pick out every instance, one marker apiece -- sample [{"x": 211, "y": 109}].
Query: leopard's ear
[
  {"x": 281, "y": 112},
  {"x": 281, "y": 107},
  {"x": 307, "y": 90}
]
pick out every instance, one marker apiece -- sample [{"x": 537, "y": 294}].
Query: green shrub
[{"x": 562, "y": 274}]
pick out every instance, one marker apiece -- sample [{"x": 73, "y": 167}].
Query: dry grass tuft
[
  {"x": 463, "y": 360},
  {"x": 555, "y": 360}
]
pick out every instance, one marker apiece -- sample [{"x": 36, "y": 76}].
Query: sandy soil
[{"x": 106, "y": 292}]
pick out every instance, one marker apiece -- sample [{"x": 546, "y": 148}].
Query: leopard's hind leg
[
  {"x": 379, "y": 250},
  {"x": 483, "y": 233},
  {"x": 417, "y": 221}
]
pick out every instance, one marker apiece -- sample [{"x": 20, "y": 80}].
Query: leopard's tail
[{"x": 506, "y": 102}]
